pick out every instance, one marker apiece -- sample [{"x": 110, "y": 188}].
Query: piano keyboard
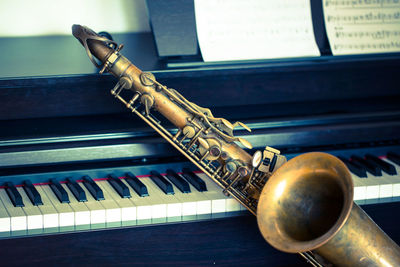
[
  {"x": 376, "y": 180},
  {"x": 60, "y": 208},
  {"x": 84, "y": 204}
]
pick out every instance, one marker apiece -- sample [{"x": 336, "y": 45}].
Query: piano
[{"x": 83, "y": 182}]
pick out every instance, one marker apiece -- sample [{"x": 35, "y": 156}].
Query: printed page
[
  {"x": 362, "y": 26},
  {"x": 254, "y": 29}
]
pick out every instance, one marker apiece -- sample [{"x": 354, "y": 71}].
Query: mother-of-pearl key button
[
  {"x": 18, "y": 216},
  {"x": 33, "y": 215}
]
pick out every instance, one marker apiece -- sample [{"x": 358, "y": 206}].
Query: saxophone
[{"x": 303, "y": 206}]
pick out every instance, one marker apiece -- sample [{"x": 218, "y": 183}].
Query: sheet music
[
  {"x": 254, "y": 29},
  {"x": 362, "y": 26}
]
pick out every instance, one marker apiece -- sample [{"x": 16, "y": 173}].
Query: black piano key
[
  {"x": 136, "y": 184},
  {"x": 59, "y": 191},
  {"x": 162, "y": 183},
  {"x": 194, "y": 180},
  {"x": 393, "y": 156},
  {"x": 119, "y": 186},
  {"x": 354, "y": 167},
  {"x": 370, "y": 166},
  {"x": 14, "y": 195},
  {"x": 178, "y": 181},
  {"x": 93, "y": 188},
  {"x": 32, "y": 193},
  {"x": 76, "y": 190},
  {"x": 385, "y": 166}
]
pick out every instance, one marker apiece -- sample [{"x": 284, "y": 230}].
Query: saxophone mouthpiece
[
  {"x": 96, "y": 45},
  {"x": 78, "y": 32}
]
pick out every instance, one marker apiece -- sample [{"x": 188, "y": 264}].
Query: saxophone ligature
[{"x": 303, "y": 206}]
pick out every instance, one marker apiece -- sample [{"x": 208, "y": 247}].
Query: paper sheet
[
  {"x": 254, "y": 29},
  {"x": 362, "y": 26}
]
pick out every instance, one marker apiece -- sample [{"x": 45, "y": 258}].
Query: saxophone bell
[{"x": 307, "y": 205}]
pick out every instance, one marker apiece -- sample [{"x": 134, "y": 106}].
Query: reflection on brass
[{"x": 306, "y": 205}]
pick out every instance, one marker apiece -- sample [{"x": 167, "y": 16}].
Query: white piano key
[
  {"x": 174, "y": 205},
  {"x": 158, "y": 206},
  {"x": 385, "y": 186},
  {"x": 394, "y": 179},
  {"x": 33, "y": 215},
  {"x": 5, "y": 219},
  {"x": 188, "y": 201},
  {"x": 18, "y": 216},
  {"x": 128, "y": 209},
  {"x": 81, "y": 212},
  {"x": 143, "y": 206},
  {"x": 203, "y": 203},
  {"x": 372, "y": 186},
  {"x": 97, "y": 211},
  {"x": 360, "y": 189},
  {"x": 214, "y": 192},
  {"x": 113, "y": 211},
  {"x": 50, "y": 214},
  {"x": 232, "y": 205},
  {"x": 66, "y": 214}
]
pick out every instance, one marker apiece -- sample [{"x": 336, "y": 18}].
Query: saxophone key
[{"x": 132, "y": 101}]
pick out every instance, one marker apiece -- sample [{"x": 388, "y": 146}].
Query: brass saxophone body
[
  {"x": 306, "y": 205},
  {"x": 205, "y": 140}
]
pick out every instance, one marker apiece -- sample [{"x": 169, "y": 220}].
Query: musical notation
[
  {"x": 368, "y": 34},
  {"x": 362, "y": 26},
  {"x": 368, "y": 46},
  {"x": 360, "y": 3},
  {"x": 253, "y": 29},
  {"x": 370, "y": 17}
]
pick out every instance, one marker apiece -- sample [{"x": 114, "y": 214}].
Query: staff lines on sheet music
[
  {"x": 363, "y": 46},
  {"x": 366, "y": 8},
  {"x": 255, "y": 19},
  {"x": 380, "y": 34},
  {"x": 366, "y": 18},
  {"x": 362, "y": 3}
]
